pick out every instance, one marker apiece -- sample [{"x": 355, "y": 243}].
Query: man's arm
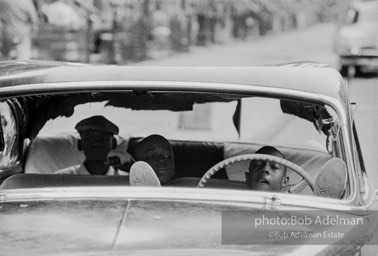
[{"x": 120, "y": 160}]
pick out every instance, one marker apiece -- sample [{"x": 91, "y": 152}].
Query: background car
[
  {"x": 356, "y": 42},
  {"x": 215, "y": 118}
]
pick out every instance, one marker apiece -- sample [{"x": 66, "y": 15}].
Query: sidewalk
[{"x": 307, "y": 44}]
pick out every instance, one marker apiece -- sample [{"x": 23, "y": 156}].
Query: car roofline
[{"x": 301, "y": 77}]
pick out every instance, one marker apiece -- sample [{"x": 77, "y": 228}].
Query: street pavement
[{"x": 310, "y": 44}]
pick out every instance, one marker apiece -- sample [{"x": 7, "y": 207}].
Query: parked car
[
  {"x": 215, "y": 118},
  {"x": 357, "y": 38}
]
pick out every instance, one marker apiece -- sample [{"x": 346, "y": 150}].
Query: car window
[
  {"x": 203, "y": 130},
  {"x": 211, "y": 121},
  {"x": 265, "y": 123},
  {"x": 9, "y": 155},
  {"x": 262, "y": 121},
  {"x": 362, "y": 16}
]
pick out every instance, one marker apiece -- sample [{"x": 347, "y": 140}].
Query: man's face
[
  {"x": 96, "y": 145},
  {"x": 160, "y": 158},
  {"x": 265, "y": 175}
]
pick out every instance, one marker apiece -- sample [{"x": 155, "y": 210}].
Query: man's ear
[
  {"x": 79, "y": 145},
  {"x": 114, "y": 143},
  {"x": 285, "y": 181}
]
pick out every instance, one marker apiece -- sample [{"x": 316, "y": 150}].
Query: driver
[
  {"x": 97, "y": 141},
  {"x": 267, "y": 175}
]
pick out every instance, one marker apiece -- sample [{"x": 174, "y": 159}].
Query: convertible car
[{"x": 215, "y": 119}]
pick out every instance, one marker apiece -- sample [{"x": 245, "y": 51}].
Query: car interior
[{"x": 49, "y": 154}]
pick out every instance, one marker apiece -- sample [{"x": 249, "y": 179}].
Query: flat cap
[{"x": 97, "y": 123}]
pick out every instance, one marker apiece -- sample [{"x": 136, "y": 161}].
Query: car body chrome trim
[{"x": 219, "y": 196}]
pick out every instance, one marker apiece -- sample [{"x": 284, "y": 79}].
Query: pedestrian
[{"x": 19, "y": 20}]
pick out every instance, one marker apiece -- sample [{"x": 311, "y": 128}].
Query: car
[
  {"x": 216, "y": 119},
  {"x": 356, "y": 42}
]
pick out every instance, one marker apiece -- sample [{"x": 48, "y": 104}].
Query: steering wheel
[{"x": 307, "y": 180}]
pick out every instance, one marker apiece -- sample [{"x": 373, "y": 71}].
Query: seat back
[
  {"x": 33, "y": 180},
  {"x": 211, "y": 183},
  {"x": 193, "y": 158},
  {"x": 331, "y": 182},
  {"x": 48, "y": 154}
]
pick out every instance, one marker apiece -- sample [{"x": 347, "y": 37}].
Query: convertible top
[{"x": 305, "y": 77}]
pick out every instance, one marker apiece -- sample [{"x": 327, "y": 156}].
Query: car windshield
[
  {"x": 202, "y": 129},
  {"x": 364, "y": 16},
  {"x": 262, "y": 121}
]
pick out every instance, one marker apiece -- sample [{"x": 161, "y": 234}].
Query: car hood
[{"x": 132, "y": 227}]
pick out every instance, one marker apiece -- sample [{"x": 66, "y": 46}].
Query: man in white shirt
[{"x": 97, "y": 141}]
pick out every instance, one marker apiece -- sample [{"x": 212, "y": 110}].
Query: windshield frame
[{"x": 197, "y": 87}]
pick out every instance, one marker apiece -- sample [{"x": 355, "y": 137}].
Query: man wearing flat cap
[{"x": 97, "y": 141}]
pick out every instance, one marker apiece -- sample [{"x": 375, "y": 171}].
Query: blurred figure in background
[{"x": 19, "y": 21}]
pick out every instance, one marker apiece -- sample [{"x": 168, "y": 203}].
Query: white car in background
[{"x": 356, "y": 41}]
